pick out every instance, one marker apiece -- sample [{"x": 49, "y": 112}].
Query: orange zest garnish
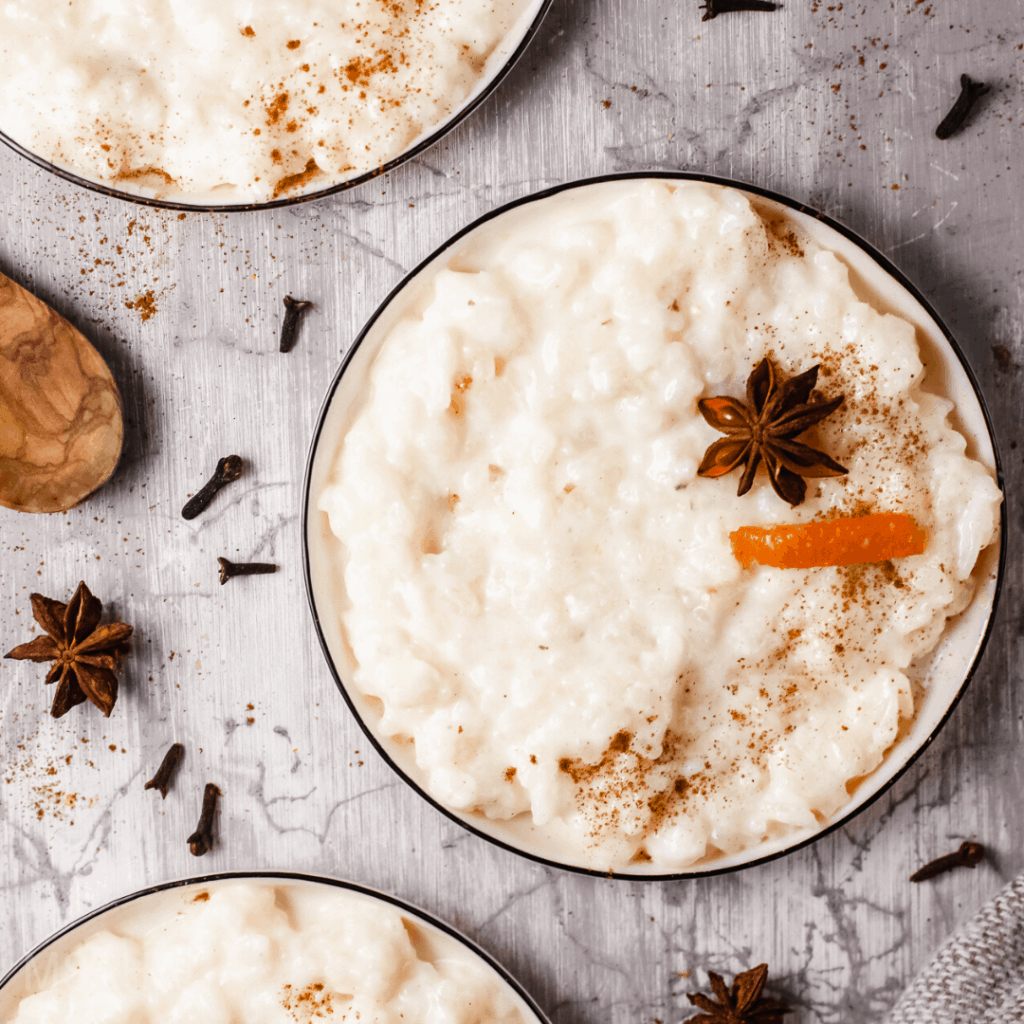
[{"x": 855, "y": 540}]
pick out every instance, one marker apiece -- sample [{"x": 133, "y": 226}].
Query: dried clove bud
[
  {"x": 201, "y": 841},
  {"x": 168, "y": 766},
  {"x": 713, "y": 8},
  {"x": 294, "y": 308},
  {"x": 970, "y": 92},
  {"x": 229, "y": 468},
  {"x": 229, "y": 569},
  {"x": 968, "y": 856}
]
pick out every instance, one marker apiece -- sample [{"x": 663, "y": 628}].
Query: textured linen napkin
[{"x": 977, "y": 977}]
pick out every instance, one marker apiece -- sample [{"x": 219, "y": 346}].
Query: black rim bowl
[
  {"x": 885, "y": 265},
  {"x": 307, "y": 197},
  {"x": 285, "y": 876}
]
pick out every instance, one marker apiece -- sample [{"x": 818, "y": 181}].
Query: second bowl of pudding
[
  {"x": 242, "y": 105},
  {"x": 522, "y": 552}
]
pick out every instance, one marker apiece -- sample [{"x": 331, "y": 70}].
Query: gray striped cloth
[{"x": 977, "y": 977}]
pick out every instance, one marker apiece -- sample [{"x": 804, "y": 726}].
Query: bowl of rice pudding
[
  {"x": 231, "y": 105},
  {"x": 263, "y": 947},
  {"x": 532, "y": 572}
]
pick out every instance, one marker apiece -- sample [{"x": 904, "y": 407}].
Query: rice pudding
[
  {"x": 541, "y": 595},
  {"x": 237, "y": 102},
  {"x": 281, "y": 952}
]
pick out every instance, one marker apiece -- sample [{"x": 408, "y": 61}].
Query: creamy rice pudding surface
[
  {"x": 236, "y": 100},
  {"x": 541, "y": 591},
  {"x": 236, "y": 952}
]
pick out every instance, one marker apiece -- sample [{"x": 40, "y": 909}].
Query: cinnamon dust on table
[
  {"x": 37, "y": 778},
  {"x": 144, "y": 304}
]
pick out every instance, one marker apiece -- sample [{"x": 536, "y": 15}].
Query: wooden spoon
[{"x": 60, "y": 411}]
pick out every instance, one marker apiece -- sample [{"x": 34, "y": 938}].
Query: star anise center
[
  {"x": 86, "y": 655},
  {"x": 764, "y": 429},
  {"x": 742, "y": 1003}
]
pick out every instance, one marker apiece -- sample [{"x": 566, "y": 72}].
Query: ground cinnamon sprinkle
[
  {"x": 626, "y": 779},
  {"x": 309, "y": 1003},
  {"x": 277, "y": 108},
  {"x": 141, "y": 174},
  {"x": 293, "y": 181},
  {"x": 144, "y": 304},
  {"x": 36, "y": 781},
  {"x": 462, "y": 383}
]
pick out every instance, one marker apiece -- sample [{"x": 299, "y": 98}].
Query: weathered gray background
[{"x": 834, "y": 105}]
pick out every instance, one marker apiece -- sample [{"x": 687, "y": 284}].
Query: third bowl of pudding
[{"x": 264, "y": 946}]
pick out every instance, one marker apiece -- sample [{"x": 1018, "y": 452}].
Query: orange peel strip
[{"x": 878, "y": 537}]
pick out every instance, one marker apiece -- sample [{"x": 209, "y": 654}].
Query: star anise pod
[
  {"x": 763, "y": 429},
  {"x": 741, "y": 1004},
  {"x": 86, "y": 654}
]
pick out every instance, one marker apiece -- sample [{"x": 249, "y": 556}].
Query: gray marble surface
[{"x": 834, "y": 104}]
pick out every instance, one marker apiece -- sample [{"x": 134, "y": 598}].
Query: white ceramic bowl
[
  {"x": 133, "y": 915},
  {"x": 498, "y": 65},
  {"x": 945, "y": 672}
]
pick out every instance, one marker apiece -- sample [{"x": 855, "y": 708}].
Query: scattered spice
[
  {"x": 165, "y": 773},
  {"x": 776, "y": 411},
  {"x": 300, "y": 178},
  {"x": 970, "y": 855},
  {"x": 312, "y": 1001},
  {"x": 713, "y": 8},
  {"x": 144, "y": 304},
  {"x": 201, "y": 841},
  {"x": 228, "y": 469},
  {"x": 970, "y": 93},
  {"x": 87, "y": 655},
  {"x": 1003, "y": 357},
  {"x": 294, "y": 308},
  {"x": 739, "y": 1005},
  {"x": 229, "y": 569},
  {"x": 846, "y": 540}
]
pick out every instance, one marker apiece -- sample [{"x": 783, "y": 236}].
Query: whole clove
[
  {"x": 201, "y": 841},
  {"x": 970, "y": 93},
  {"x": 228, "y": 469},
  {"x": 165, "y": 773},
  {"x": 293, "y": 310},
  {"x": 713, "y": 8},
  {"x": 968, "y": 856},
  {"x": 229, "y": 569}
]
